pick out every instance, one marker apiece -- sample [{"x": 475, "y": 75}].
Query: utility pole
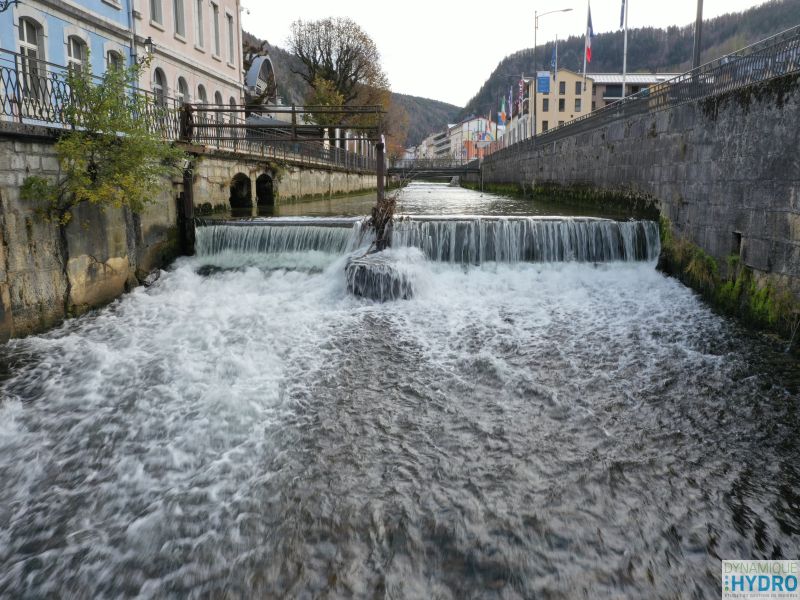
[{"x": 698, "y": 31}]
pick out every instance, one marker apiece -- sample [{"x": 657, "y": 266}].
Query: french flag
[{"x": 589, "y": 36}]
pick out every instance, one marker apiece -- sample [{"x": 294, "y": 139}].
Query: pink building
[{"x": 198, "y": 48}]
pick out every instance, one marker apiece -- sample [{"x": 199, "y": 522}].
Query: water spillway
[
  {"x": 330, "y": 235},
  {"x": 460, "y": 239},
  {"x": 475, "y": 240}
]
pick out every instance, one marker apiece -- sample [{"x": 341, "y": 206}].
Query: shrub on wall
[{"x": 114, "y": 153}]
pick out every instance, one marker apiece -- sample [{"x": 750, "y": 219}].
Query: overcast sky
[{"x": 445, "y": 50}]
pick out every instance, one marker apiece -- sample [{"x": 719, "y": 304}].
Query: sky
[{"x": 446, "y": 50}]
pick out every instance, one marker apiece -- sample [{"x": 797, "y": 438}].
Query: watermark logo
[{"x": 760, "y": 580}]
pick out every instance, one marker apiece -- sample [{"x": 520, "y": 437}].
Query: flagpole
[
  {"x": 585, "y": 42},
  {"x": 625, "y": 50}
]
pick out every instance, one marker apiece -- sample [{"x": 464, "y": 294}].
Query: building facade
[
  {"x": 195, "y": 44},
  {"x": 197, "y": 53},
  {"x": 66, "y": 33},
  {"x": 570, "y": 97},
  {"x": 608, "y": 86},
  {"x": 469, "y": 137}
]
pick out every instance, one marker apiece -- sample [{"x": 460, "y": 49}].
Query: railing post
[
  {"x": 186, "y": 212},
  {"x": 18, "y": 91},
  {"x": 381, "y": 169}
]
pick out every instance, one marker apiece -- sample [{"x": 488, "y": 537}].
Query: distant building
[
  {"x": 469, "y": 137},
  {"x": 570, "y": 97},
  {"x": 608, "y": 86},
  {"x": 436, "y": 145}
]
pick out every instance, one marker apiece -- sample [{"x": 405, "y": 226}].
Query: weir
[
  {"x": 461, "y": 239},
  {"x": 464, "y": 239}
]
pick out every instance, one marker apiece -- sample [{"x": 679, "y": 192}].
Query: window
[
  {"x": 180, "y": 18},
  {"x": 155, "y": 11},
  {"x": 560, "y": 123},
  {"x": 577, "y": 105},
  {"x": 76, "y": 53},
  {"x": 215, "y": 17},
  {"x": 545, "y": 104},
  {"x": 114, "y": 60},
  {"x": 202, "y": 97},
  {"x": 229, "y": 19},
  {"x": 183, "y": 91},
  {"x": 562, "y": 88},
  {"x": 578, "y": 88},
  {"x": 594, "y": 105},
  {"x": 30, "y": 37},
  {"x": 545, "y": 126},
  {"x": 198, "y": 23},
  {"x": 159, "y": 87},
  {"x": 561, "y": 105}
]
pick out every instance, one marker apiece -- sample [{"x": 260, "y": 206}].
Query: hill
[
  {"x": 649, "y": 49},
  {"x": 429, "y": 115}
]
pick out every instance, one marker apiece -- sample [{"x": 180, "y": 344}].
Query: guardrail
[
  {"x": 773, "y": 57},
  {"x": 36, "y": 92},
  {"x": 429, "y": 163}
]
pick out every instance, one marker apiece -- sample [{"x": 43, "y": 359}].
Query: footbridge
[{"x": 431, "y": 168}]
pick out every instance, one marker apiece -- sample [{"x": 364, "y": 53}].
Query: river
[{"x": 517, "y": 429}]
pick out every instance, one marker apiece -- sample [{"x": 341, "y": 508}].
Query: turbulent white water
[{"x": 247, "y": 428}]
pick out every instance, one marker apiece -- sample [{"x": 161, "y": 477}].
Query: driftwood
[{"x": 381, "y": 222}]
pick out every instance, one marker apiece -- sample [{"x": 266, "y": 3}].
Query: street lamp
[
  {"x": 149, "y": 49},
  {"x": 536, "y": 17}
]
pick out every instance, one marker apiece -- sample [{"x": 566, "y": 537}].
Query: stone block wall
[
  {"x": 213, "y": 176},
  {"x": 45, "y": 276},
  {"x": 725, "y": 171}
]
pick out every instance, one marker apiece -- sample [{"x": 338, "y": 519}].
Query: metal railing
[
  {"x": 430, "y": 163},
  {"x": 768, "y": 59},
  {"x": 225, "y": 129},
  {"x": 36, "y": 92}
]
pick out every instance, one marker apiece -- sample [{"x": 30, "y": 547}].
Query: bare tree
[{"x": 337, "y": 50}]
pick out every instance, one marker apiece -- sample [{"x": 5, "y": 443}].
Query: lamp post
[{"x": 536, "y": 17}]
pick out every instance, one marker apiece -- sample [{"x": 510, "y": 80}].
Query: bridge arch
[
  {"x": 265, "y": 192},
  {"x": 241, "y": 195}
]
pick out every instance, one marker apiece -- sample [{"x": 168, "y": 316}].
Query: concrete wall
[
  {"x": 213, "y": 175},
  {"x": 44, "y": 276},
  {"x": 717, "y": 169}
]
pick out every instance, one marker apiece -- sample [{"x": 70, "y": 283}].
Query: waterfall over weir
[
  {"x": 277, "y": 235},
  {"x": 475, "y": 240},
  {"x": 457, "y": 239}
]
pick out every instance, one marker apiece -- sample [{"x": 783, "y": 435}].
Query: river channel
[{"x": 575, "y": 427}]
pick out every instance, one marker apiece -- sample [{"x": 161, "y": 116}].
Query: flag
[
  {"x": 511, "y": 103},
  {"x": 622, "y": 14},
  {"x": 589, "y": 36},
  {"x": 503, "y": 114},
  {"x": 554, "y": 61}
]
